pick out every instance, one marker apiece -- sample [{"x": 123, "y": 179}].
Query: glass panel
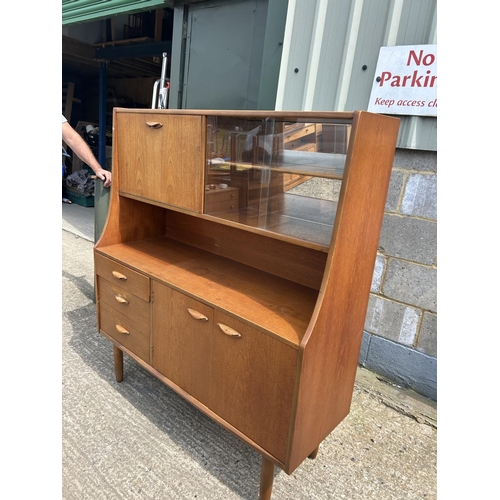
[{"x": 280, "y": 176}]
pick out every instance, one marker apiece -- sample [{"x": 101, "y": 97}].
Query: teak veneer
[{"x": 245, "y": 296}]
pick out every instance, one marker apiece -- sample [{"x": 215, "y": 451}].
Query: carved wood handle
[
  {"x": 229, "y": 331},
  {"x": 197, "y": 315},
  {"x": 121, "y": 300},
  {"x": 118, "y": 275},
  {"x": 154, "y": 124},
  {"x": 120, "y": 329}
]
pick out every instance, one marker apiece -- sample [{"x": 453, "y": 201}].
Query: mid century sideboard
[{"x": 236, "y": 261}]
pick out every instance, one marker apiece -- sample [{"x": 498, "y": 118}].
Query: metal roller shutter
[{"x": 80, "y": 11}]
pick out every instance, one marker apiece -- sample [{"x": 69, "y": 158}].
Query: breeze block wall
[{"x": 400, "y": 334}]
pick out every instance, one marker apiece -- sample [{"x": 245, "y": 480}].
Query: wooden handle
[
  {"x": 120, "y": 329},
  {"x": 121, "y": 300},
  {"x": 197, "y": 315},
  {"x": 154, "y": 124},
  {"x": 119, "y": 276},
  {"x": 229, "y": 331}
]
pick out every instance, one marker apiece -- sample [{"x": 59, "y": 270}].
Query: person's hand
[{"x": 104, "y": 175}]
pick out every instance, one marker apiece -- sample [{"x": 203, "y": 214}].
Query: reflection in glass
[{"x": 279, "y": 176}]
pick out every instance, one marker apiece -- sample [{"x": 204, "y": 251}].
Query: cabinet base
[{"x": 267, "y": 468}]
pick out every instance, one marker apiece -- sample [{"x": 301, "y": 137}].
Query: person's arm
[{"x": 73, "y": 139}]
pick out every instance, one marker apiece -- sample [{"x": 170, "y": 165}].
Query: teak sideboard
[{"x": 236, "y": 262}]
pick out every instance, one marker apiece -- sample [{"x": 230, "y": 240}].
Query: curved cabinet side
[
  {"x": 330, "y": 348},
  {"x": 127, "y": 219}
]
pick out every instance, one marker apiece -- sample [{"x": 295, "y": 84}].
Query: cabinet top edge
[{"x": 346, "y": 115}]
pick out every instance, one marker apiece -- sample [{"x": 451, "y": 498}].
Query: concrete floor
[
  {"x": 79, "y": 220},
  {"x": 140, "y": 440}
]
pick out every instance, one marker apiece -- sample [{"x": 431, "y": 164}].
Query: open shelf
[
  {"x": 303, "y": 219},
  {"x": 273, "y": 304},
  {"x": 286, "y": 223}
]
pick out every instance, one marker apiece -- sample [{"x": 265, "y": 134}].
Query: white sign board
[{"x": 405, "y": 81}]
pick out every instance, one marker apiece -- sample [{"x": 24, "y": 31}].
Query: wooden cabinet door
[
  {"x": 161, "y": 158},
  {"x": 253, "y": 379},
  {"x": 181, "y": 338}
]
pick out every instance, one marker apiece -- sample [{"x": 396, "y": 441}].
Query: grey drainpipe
[{"x": 101, "y": 193}]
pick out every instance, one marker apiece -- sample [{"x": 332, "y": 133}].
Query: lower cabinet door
[
  {"x": 181, "y": 337},
  {"x": 252, "y": 383}
]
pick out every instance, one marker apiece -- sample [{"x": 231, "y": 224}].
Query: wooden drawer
[
  {"x": 127, "y": 279},
  {"x": 301, "y": 138},
  {"x": 122, "y": 301},
  {"x": 221, "y": 200},
  {"x": 221, "y": 206},
  {"x": 298, "y": 132},
  {"x": 219, "y": 194},
  {"x": 133, "y": 335},
  {"x": 302, "y": 145}
]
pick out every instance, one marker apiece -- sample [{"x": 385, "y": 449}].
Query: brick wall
[{"x": 400, "y": 336}]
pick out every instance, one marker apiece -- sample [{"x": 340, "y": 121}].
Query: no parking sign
[{"x": 405, "y": 81}]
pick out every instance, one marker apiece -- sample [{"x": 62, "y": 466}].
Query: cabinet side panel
[
  {"x": 332, "y": 343},
  {"x": 127, "y": 219},
  {"x": 111, "y": 231}
]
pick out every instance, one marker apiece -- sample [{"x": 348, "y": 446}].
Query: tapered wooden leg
[
  {"x": 118, "y": 354},
  {"x": 266, "y": 479},
  {"x": 314, "y": 453}
]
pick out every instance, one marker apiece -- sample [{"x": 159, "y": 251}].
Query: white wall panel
[{"x": 330, "y": 54}]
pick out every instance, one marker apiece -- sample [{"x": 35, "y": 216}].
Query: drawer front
[
  {"x": 214, "y": 195},
  {"x": 298, "y": 132},
  {"x": 219, "y": 206},
  {"x": 131, "y": 334},
  {"x": 217, "y": 200},
  {"x": 122, "y": 301},
  {"x": 301, "y": 145},
  {"x": 127, "y": 279},
  {"x": 221, "y": 200}
]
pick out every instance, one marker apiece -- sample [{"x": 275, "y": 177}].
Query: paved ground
[{"x": 140, "y": 440}]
